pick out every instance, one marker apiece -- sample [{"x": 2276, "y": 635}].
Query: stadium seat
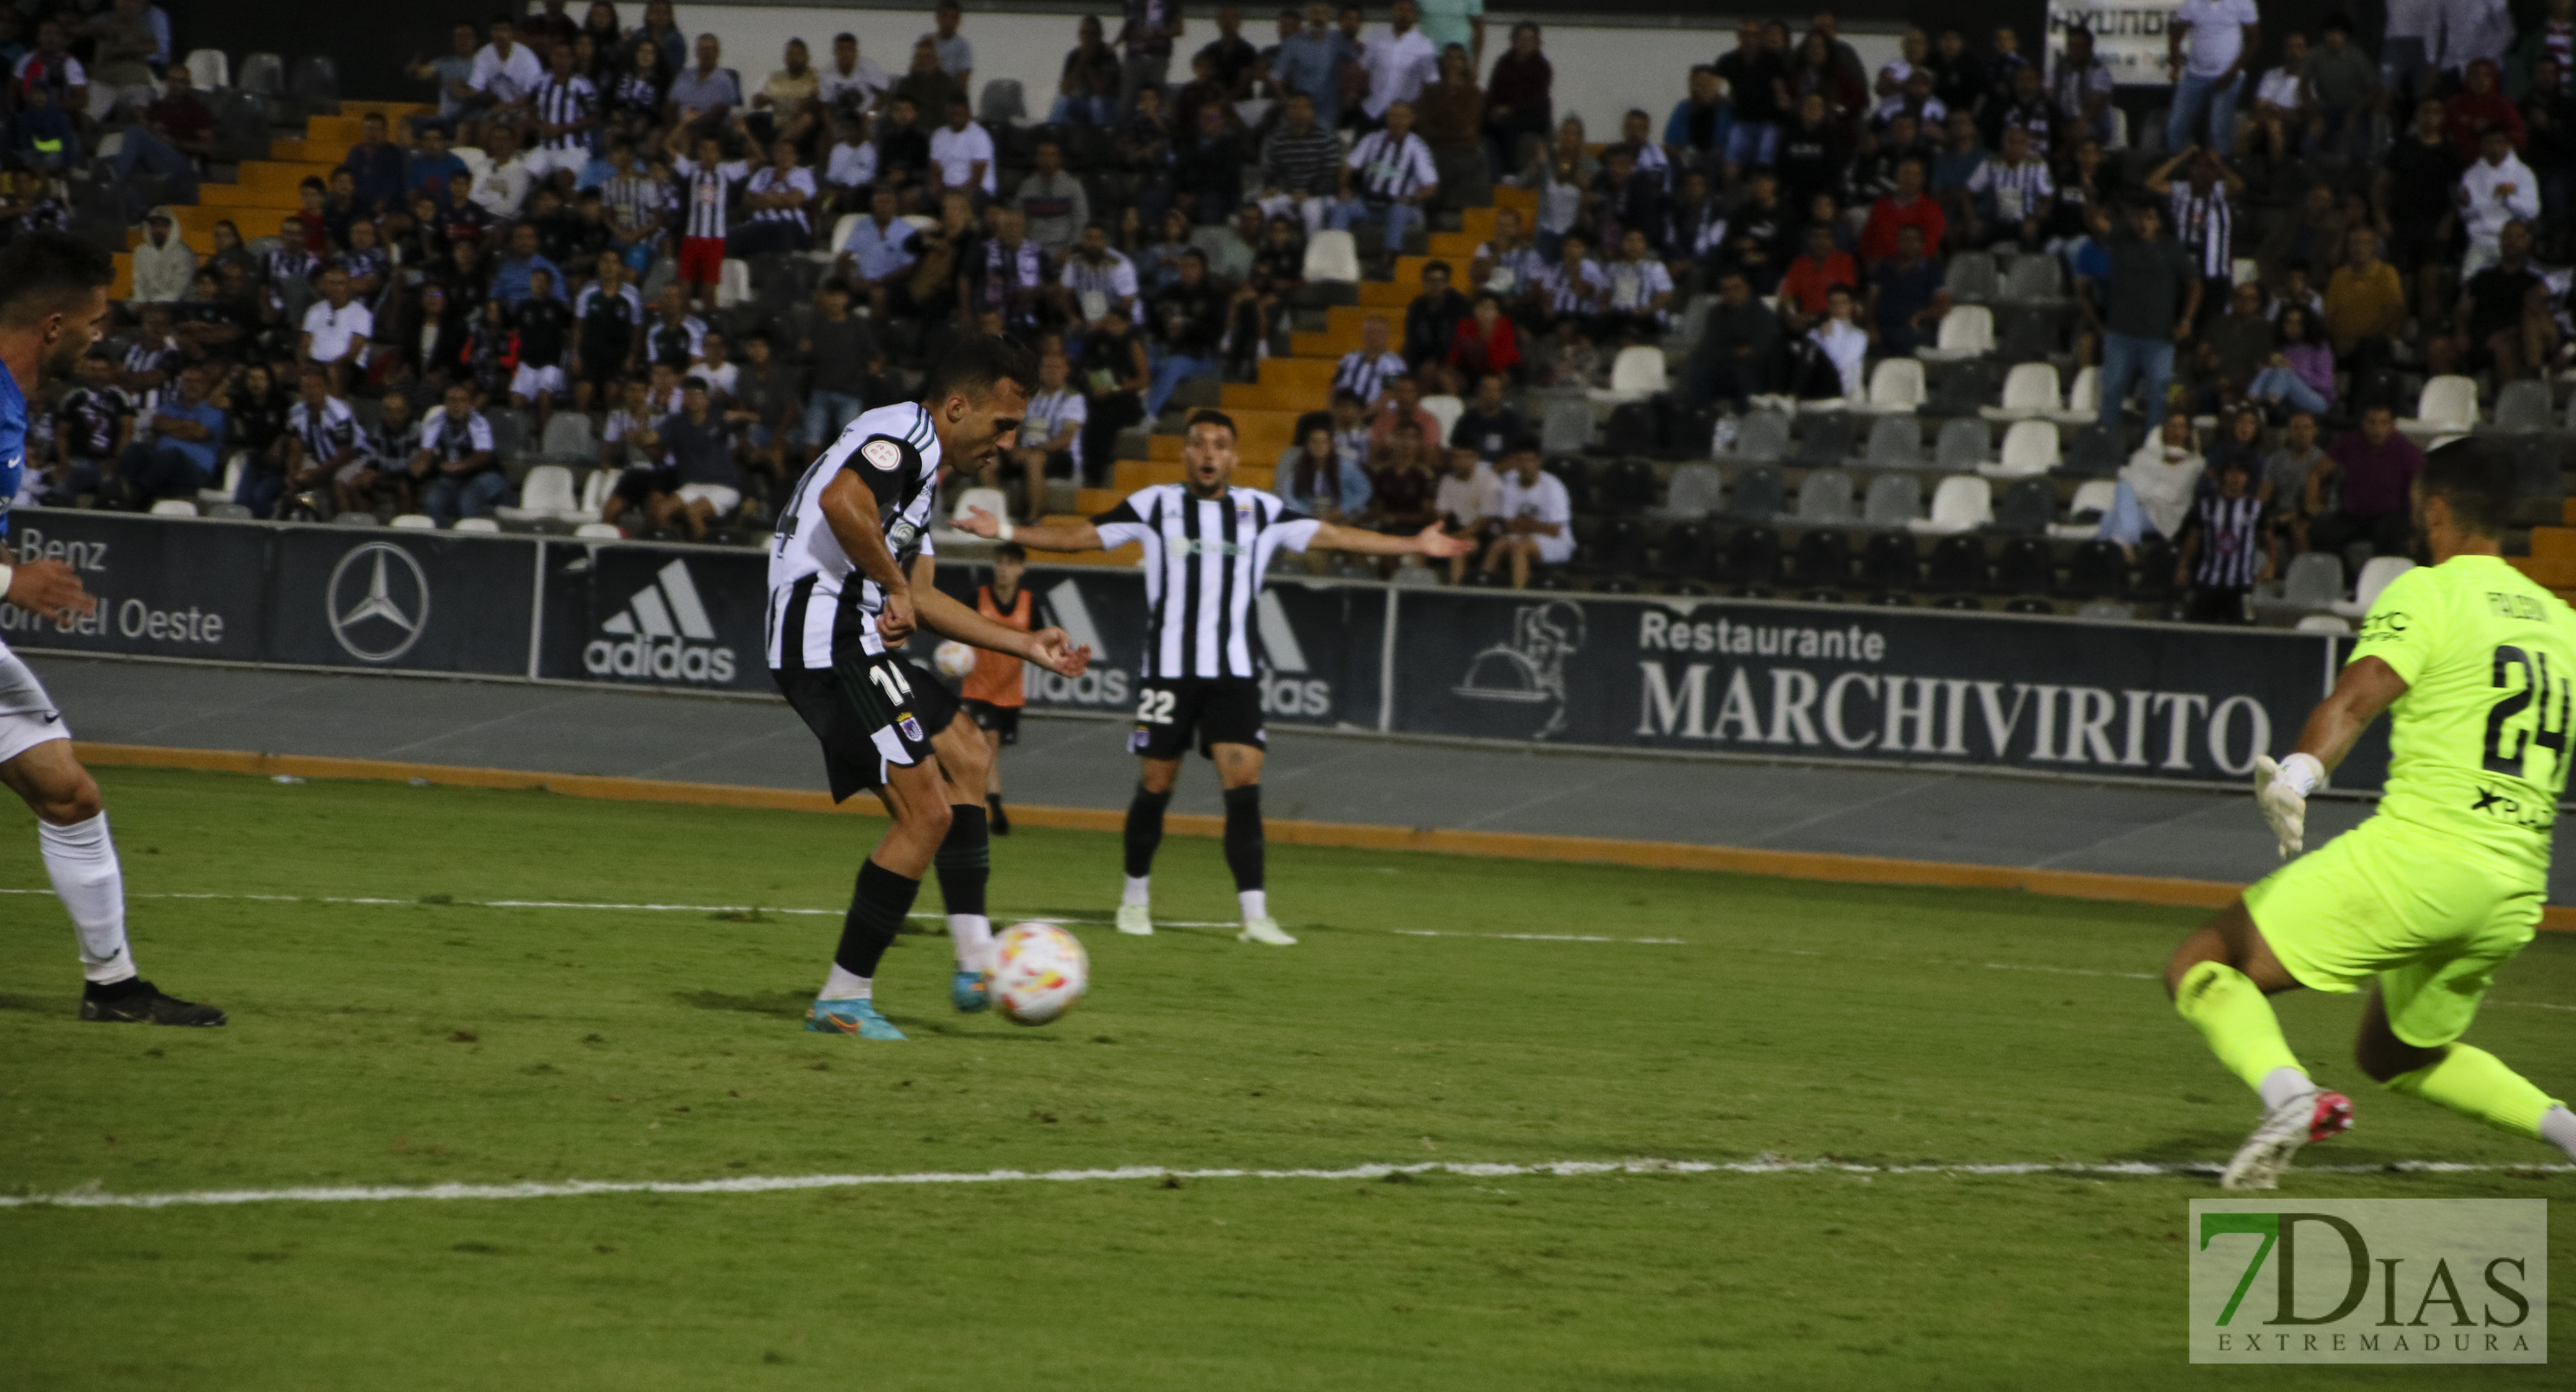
[
  {"x": 1966, "y": 332},
  {"x": 1823, "y": 557},
  {"x": 316, "y": 82},
  {"x": 1961, "y": 445},
  {"x": 413, "y": 522},
  {"x": 228, "y": 512},
  {"x": 235, "y": 465},
  {"x": 1446, "y": 410},
  {"x": 2105, "y": 610},
  {"x": 2033, "y": 279},
  {"x": 2313, "y": 581},
  {"x": 1895, "y": 500},
  {"x": 209, "y": 70},
  {"x": 2119, "y": 130},
  {"x": 1637, "y": 373},
  {"x": 1688, "y": 552},
  {"x": 596, "y": 488},
  {"x": 2539, "y": 467},
  {"x": 1972, "y": 277},
  {"x": 1762, "y": 435},
  {"x": 2030, "y": 391},
  {"x": 2335, "y": 624},
  {"x": 2083, "y": 400},
  {"x": 1753, "y": 556},
  {"x": 1965, "y": 388},
  {"x": 1759, "y": 493},
  {"x": 1963, "y": 502},
  {"x": 2375, "y": 576},
  {"x": 2447, "y": 405},
  {"x": 174, "y": 507},
  {"x": 1696, "y": 491},
  {"x": 1824, "y": 440},
  {"x": 2093, "y": 497},
  {"x": 842, "y": 227},
  {"x": 2097, "y": 453},
  {"x": 546, "y": 494},
  {"x": 477, "y": 524},
  {"x": 733, "y": 284},
  {"x": 1895, "y": 388},
  {"x": 1825, "y": 498},
  {"x": 1625, "y": 486},
  {"x": 1634, "y": 428},
  {"x": 2025, "y": 568},
  {"x": 1619, "y": 548},
  {"x": 2098, "y": 570},
  {"x": 2024, "y": 334},
  {"x": 2154, "y": 560},
  {"x": 509, "y": 431},
  {"x": 1890, "y": 560},
  {"x": 1577, "y": 478},
  {"x": 263, "y": 73},
  {"x": 597, "y": 531},
  {"x": 1958, "y": 563},
  {"x": 2522, "y": 408},
  {"x": 1332, "y": 256},
  {"x": 567, "y": 436},
  {"x": 1566, "y": 429},
  {"x": 1895, "y": 442},
  {"x": 1000, "y": 103},
  {"x": 355, "y": 519},
  {"x": 2027, "y": 506},
  {"x": 2030, "y": 447}
]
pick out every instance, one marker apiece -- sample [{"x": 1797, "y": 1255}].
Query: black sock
[
  {"x": 1243, "y": 836},
  {"x": 999, "y": 820},
  {"x": 965, "y": 861},
  {"x": 1144, "y": 830},
  {"x": 877, "y": 910}
]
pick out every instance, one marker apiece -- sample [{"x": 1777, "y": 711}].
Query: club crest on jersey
[
  {"x": 911, "y": 728},
  {"x": 902, "y": 535},
  {"x": 885, "y": 454}
]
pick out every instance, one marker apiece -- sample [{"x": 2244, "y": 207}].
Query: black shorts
[
  {"x": 605, "y": 367},
  {"x": 936, "y": 703},
  {"x": 1217, "y": 710},
  {"x": 868, "y": 712},
  {"x": 1001, "y": 720}
]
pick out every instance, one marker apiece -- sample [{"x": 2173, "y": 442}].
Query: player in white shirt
[
  {"x": 963, "y": 151},
  {"x": 1207, "y": 544},
  {"x": 1534, "y": 516},
  {"x": 848, "y": 583}
]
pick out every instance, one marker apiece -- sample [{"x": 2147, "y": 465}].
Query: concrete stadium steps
[
  {"x": 1244, "y": 396},
  {"x": 1251, "y": 447},
  {"x": 2552, "y": 561},
  {"x": 1091, "y": 502},
  {"x": 266, "y": 190},
  {"x": 1313, "y": 376}
]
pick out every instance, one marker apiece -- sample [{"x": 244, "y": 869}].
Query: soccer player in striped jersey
[
  {"x": 2424, "y": 903},
  {"x": 848, "y": 583},
  {"x": 53, "y": 304},
  {"x": 1207, "y": 545}
]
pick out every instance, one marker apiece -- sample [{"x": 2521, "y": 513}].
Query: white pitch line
[{"x": 764, "y": 1184}]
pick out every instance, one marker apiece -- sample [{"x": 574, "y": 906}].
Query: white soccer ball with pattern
[
  {"x": 1039, "y": 972},
  {"x": 955, "y": 660}
]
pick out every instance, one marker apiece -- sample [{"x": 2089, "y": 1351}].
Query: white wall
[{"x": 1601, "y": 71}]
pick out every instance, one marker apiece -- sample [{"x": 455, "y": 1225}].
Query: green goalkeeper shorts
[{"x": 2430, "y": 925}]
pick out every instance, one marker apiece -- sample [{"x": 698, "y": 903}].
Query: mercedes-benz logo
[{"x": 382, "y": 621}]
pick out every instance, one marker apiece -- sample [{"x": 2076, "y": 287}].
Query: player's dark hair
[
  {"x": 41, "y": 269},
  {"x": 1206, "y": 417},
  {"x": 1011, "y": 551},
  {"x": 2476, "y": 477},
  {"x": 976, "y": 365}
]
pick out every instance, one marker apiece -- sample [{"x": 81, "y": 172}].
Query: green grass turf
[{"x": 427, "y": 1041}]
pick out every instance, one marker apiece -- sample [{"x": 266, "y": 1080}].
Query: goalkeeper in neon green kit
[{"x": 2444, "y": 884}]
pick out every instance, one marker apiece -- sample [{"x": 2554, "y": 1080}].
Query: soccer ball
[
  {"x": 955, "y": 660},
  {"x": 1039, "y": 972}
]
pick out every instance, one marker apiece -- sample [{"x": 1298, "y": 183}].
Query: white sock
[
  {"x": 2558, "y": 1127},
  {"x": 1136, "y": 891},
  {"x": 2282, "y": 1084},
  {"x": 81, "y": 858},
  {"x": 842, "y": 985},
  {"x": 1256, "y": 904},
  {"x": 972, "y": 934}
]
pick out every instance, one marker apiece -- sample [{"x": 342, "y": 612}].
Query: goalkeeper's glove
[{"x": 2281, "y": 790}]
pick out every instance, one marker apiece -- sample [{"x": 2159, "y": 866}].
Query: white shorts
[
  {"x": 533, "y": 382},
  {"x": 542, "y": 162},
  {"x": 28, "y": 716},
  {"x": 724, "y": 500}
]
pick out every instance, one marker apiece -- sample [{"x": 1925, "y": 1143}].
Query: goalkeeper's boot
[
  {"x": 1264, "y": 930},
  {"x": 858, "y": 1017},
  {"x": 970, "y": 991},
  {"x": 135, "y": 1001},
  {"x": 1135, "y": 920},
  {"x": 2303, "y": 1120}
]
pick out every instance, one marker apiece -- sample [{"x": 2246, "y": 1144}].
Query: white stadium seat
[
  {"x": 546, "y": 494},
  {"x": 1966, "y": 332},
  {"x": 477, "y": 524},
  {"x": 2375, "y": 576},
  {"x": 415, "y": 521},
  {"x": 2030, "y": 391},
  {"x": 2083, "y": 400},
  {"x": 1637, "y": 373},
  {"x": 1895, "y": 388},
  {"x": 2030, "y": 447},
  {"x": 2448, "y": 406},
  {"x": 174, "y": 507},
  {"x": 1962, "y": 503},
  {"x": 1333, "y": 256}
]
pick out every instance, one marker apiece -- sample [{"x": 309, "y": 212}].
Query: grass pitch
[{"x": 434, "y": 1039}]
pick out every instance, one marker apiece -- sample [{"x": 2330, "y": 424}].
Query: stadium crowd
[{"x": 608, "y": 245}]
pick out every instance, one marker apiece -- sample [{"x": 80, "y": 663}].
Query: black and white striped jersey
[
  {"x": 567, "y": 103},
  {"x": 2231, "y": 541},
  {"x": 711, "y": 191},
  {"x": 1204, "y": 559},
  {"x": 822, "y": 608}
]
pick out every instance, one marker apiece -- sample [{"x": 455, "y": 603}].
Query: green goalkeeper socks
[
  {"x": 2229, "y": 1011},
  {"x": 2475, "y": 1083}
]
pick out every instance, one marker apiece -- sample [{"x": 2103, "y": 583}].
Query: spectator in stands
[
  {"x": 1188, "y": 317},
  {"x": 2505, "y": 318},
  {"x": 2232, "y": 349},
  {"x": 1817, "y": 271},
  {"x": 1733, "y": 359},
  {"x": 2208, "y": 44},
  {"x": 1397, "y": 63},
  {"x": 2497, "y": 190},
  {"x": 1399, "y": 404},
  {"x": 1638, "y": 305},
  {"x": 1958, "y": 78},
  {"x": 447, "y": 75},
  {"x": 1536, "y": 518},
  {"x": 699, "y": 484},
  {"x": 2010, "y": 197},
  {"x": 505, "y": 78},
  {"x": 2154, "y": 295},
  {"x": 1388, "y": 179},
  {"x": 1207, "y": 168},
  {"x": 93, "y": 424},
  {"x": 563, "y": 111},
  {"x": 1814, "y": 152},
  {"x": 42, "y": 137},
  {"x": 1755, "y": 79},
  {"x": 376, "y": 166},
  {"x": 700, "y": 100},
  {"x": 1488, "y": 424},
  {"x": 335, "y": 333},
  {"x": 1519, "y": 102},
  {"x": 1466, "y": 501},
  {"x": 1087, "y": 89},
  {"x": 2299, "y": 375},
  {"x": 1145, "y": 44},
  {"x": 851, "y": 84},
  {"x": 455, "y": 467},
  {"x": 2365, "y": 305},
  {"x": 880, "y": 250},
  {"x": 1844, "y": 344},
  {"x": 433, "y": 168},
  {"x": 2228, "y": 547},
  {"x": 781, "y": 198},
  {"x": 1114, "y": 376},
  {"x": 542, "y": 323},
  {"x": 2284, "y": 105},
  {"x": 2479, "y": 107},
  {"x": 1907, "y": 206},
  {"x": 2156, "y": 486},
  {"x": 1007, "y": 275},
  {"x": 1364, "y": 371},
  {"x": 1053, "y": 201},
  {"x": 1301, "y": 166},
  {"x": 1050, "y": 437},
  {"x": 1431, "y": 321},
  {"x": 1696, "y": 132},
  {"x": 2375, "y": 467},
  {"x": 163, "y": 265},
  {"x": 1562, "y": 173},
  {"x": 380, "y": 471},
  {"x": 173, "y": 451},
  {"x": 175, "y": 132},
  {"x": 637, "y": 96},
  {"x": 1485, "y": 344},
  {"x": 1401, "y": 485},
  {"x": 2284, "y": 480},
  {"x": 789, "y": 103},
  {"x": 963, "y": 152},
  {"x": 1907, "y": 298},
  {"x": 2081, "y": 90},
  {"x": 2346, "y": 86},
  {"x": 2553, "y": 39},
  {"x": 514, "y": 269},
  {"x": 1321, "y": 479},
  {"x": 842, "y": 351},
  {"x": 2550, "y": 112},
  {"x": 1814, "y": 71}
]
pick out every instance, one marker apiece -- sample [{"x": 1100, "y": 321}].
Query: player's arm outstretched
[
  {"x": 1036, "y": 536},
  {"x": 850, "y": 510},
  {"x": 1433, "y": 541},
  {"x": 47, "y": 589},
  {"x": 2367, "y": 687},
  {"x": 941, "y": 614}
]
